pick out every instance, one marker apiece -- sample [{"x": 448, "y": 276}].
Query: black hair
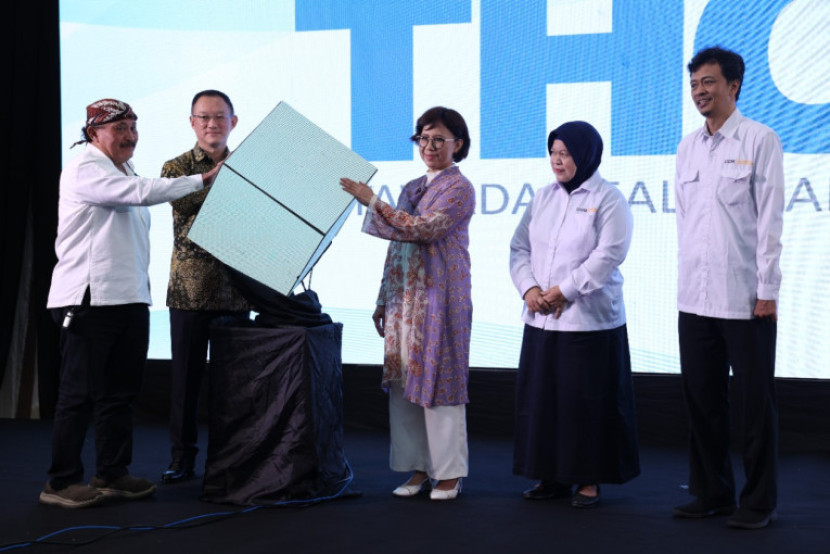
[
  {"x": 212, "y": 92},
  {"x": 453, "y": 121},
  {"x": 731, "y": 64}
]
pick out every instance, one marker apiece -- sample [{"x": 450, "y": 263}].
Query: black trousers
[
  {"x": 708, "y": 348},
  {"x": 103, "y": 354},
  {"x": 189, "y": 336}
]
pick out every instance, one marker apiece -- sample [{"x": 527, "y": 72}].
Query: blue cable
[
  {"x": 177, "y": 524},
  {"x": 50, "y": 535}
]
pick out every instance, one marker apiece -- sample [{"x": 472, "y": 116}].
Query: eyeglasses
[
  {"x": 204, "y": 119},
  {"x": 437, "y": 142}
]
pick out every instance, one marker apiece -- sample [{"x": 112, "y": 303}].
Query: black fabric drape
[
  {"x": 276, "y": 415},
  {"x": 276, "y": 309},
  {"x": 32, "y": 124}
]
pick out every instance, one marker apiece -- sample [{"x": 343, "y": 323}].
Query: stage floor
[{"x": 489, "y": 516}]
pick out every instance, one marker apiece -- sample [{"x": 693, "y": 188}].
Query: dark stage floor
[{"x": 489, "y": 516}]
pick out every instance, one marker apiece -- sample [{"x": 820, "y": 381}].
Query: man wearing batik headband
[
  {"x": 104, "y": 111},
  {"x": 100, "y": 296}
]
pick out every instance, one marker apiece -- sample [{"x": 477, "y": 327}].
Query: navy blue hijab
[{"x": 585, "y": 146}]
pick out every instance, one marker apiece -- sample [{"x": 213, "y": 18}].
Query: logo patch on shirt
[
  {"x": 738, "y": 162},
  {"x": 587, "y": 210}
]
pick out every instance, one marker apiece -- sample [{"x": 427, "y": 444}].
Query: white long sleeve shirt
[
  {"x": 576, "y": 241},
  {"x": 103, "y": 230},
  {"x": 730, "y": 211}
]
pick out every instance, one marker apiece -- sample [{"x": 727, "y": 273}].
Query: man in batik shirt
[{"x": 199, "y": 290}]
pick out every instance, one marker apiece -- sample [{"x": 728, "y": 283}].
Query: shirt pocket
[
  {"x": 581, "y": 238},
  {"x": 735, "y": 184},
  {"x": 690, "y": 176},
  {"x": 686, "y": 188}
]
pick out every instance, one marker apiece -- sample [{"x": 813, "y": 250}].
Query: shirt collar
[
  {"x": 199, "y": 154},
  {"x": 590, "y": 184},
  {"x": 431, "y": 176},
  {"x": 728, "y": 129}
]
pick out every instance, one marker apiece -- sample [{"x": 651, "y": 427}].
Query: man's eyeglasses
[
  {"x": 204, "y": 119},
  {"x": 437, "y": 142}
]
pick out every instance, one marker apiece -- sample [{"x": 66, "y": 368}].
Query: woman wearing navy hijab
[{"x": 575, "y": 417}]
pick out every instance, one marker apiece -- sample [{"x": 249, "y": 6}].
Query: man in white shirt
[
  {"x": 100, "y": 296},
  {"x": 730, "y": 205}
]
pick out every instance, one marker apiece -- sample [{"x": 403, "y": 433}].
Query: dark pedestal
[{"x": 276, "y": 415}]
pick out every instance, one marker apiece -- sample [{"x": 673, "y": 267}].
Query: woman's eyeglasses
[{"x": 437, "y": 142}]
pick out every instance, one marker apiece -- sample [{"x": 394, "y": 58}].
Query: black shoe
[
  {"x": 545, "y": 490},
  {"x": 177, "y": 472},
  {"x": 700, "y": 508},
  {"x": 745, "y": 518},
  {"x": 579, "y": 500}
]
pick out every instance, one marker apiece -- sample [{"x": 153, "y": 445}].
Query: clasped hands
[{"x": 547, "y": 302}]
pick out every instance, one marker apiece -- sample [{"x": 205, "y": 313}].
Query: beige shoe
[
  {"x": 451, "y": 494},
  {"x": 410, "y": 490}
]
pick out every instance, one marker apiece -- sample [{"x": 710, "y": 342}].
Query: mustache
[{"x": 130, "y": 143}]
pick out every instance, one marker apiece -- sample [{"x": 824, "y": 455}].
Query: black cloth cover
[
  {"x": 276, "y": 415},
  {"x": 276, "y": 309}
]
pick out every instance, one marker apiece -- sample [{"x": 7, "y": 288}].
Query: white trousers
[{"x": 432, "y": 440}]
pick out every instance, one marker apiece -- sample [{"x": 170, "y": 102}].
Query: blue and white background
[{"x": 364, "y": 70}]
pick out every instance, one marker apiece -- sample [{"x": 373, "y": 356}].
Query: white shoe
[
  {"x": 451, "y": 494},
  {"x": 410, "y": 490}
]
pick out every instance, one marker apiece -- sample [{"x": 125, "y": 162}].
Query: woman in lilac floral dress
[{"x": 424, "y": 310}]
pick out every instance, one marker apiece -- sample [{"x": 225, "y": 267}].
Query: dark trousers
[
  {"x": 189, "y": 335},
  {"x": 103, "y": 354},
  {"x": 708, "y": 347}
]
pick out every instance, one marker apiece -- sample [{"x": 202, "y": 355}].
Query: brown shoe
[
  {"x": 126, "y": 486},
  {"x": 73, "y": 496}
]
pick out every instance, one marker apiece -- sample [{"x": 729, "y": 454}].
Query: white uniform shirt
[
  {"x": 103, "y": 231},
  {"x": 576, "y": 241},
  {"x": 730, "y": 208}
]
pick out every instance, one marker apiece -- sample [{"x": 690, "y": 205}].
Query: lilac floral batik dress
[{"x": 426, "y": 287}]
